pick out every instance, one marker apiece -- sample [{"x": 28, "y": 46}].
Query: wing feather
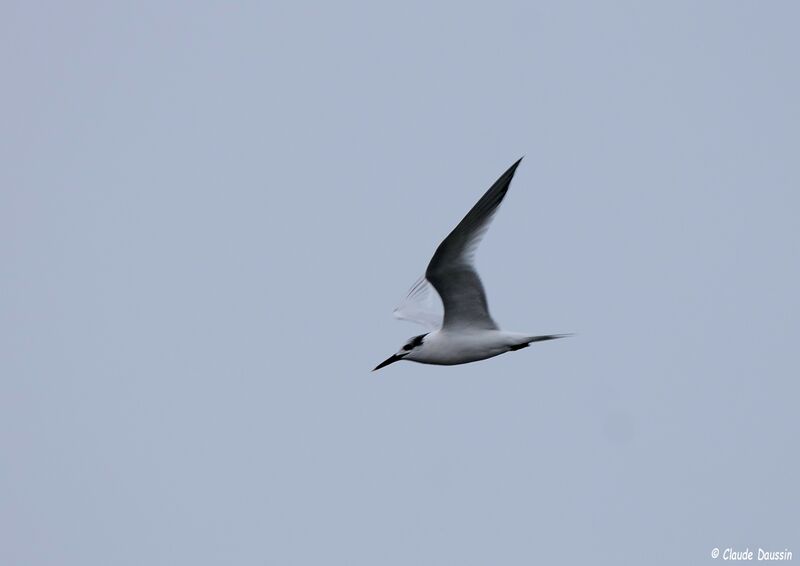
[
  {"x": 421, "y": 305},
  {"x": 451, "y": 270}
]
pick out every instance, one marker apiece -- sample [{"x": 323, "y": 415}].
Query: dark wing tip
[
  {"x": 500, "y": 187},
  {"x": 511, "y": 170}
]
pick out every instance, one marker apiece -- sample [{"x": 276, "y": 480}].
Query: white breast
[{"x": 444, "y": 347}]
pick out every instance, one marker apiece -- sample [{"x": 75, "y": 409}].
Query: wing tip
[{"x": 509, "y": 174}]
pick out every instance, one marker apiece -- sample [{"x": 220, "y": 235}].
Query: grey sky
[{"x": 209, "y": 211}]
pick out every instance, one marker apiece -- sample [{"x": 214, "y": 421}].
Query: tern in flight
[{"x": 466, "y": 331}]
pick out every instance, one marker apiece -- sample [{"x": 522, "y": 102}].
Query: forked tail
[{"x": 530, "y": 339}]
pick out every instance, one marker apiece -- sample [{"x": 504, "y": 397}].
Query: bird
[{"x": 465, "y": 332}]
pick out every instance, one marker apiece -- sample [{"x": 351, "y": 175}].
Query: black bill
[{"x": 393, "y": 359}]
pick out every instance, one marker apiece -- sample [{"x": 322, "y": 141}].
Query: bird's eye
[{"x": 407, "y": 347}]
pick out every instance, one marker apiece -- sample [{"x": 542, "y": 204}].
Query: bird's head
[{"x": 411, "y": 347}]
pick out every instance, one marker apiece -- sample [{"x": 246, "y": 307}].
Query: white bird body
[
  {"x": 447, "y": 348},
  {"x": 466, "y": 331}
]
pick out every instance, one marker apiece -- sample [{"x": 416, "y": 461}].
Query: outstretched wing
[
  {"x": 451, "y": 270},
  {"x": 421, "y": 305}
]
